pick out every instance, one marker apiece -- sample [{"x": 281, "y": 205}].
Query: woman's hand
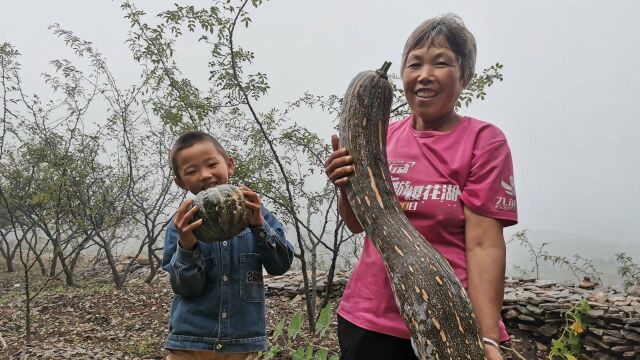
[
  {"x": 339, "y": 165},
  {"x": 253, "y": 202},
  {"x": 188, "y": 240}
]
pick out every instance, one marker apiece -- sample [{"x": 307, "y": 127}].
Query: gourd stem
[{"x": 382, "y": 72}]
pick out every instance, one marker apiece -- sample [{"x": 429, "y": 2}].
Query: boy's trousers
[{"x": 209, "y": 355}]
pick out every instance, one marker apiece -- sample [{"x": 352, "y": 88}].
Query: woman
[{"x": 453, "y": 176}]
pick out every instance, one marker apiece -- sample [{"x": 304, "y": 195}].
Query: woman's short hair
[{"x": 450, "y": 28}]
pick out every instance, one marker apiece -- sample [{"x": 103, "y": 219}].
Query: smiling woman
[{"x": 447, "y": 172}]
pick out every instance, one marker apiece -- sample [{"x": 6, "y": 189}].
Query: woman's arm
[
  {"x": 347, "y": 214},
  {"x": 486, "y": 258}
]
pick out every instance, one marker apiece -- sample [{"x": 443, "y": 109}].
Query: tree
[
  {"x": 142, "y": 168},
  {"x": 276, "y": 157}
]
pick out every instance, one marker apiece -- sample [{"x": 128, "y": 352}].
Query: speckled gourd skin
[
  {"x": 430, "y": 297},
  {"x": 224, "y": 212}
]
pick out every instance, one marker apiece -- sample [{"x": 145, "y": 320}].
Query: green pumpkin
[{"x": 223, "y": 211}]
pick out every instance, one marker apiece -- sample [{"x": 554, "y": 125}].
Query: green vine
[
  {"x": 283, "y": 344},
  {"x": 576, "y": 322}
]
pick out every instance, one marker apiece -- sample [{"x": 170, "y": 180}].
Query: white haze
[{"x": 568, "y": 104}]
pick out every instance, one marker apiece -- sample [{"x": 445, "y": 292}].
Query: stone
[
  {"x": 277, "y": 285},
  {"x": 595, "y": 342},
  {"x": 614, "y": 333},
  {"x": 595, "y": 313},
  {"x": 534, "y": 309},
  {"x": 541, "y": 347},
  {"x": 631, "y": 335},
  {"x": 613, "y": 340},
  {"x": 621, "y": 349},
  {"x": 510, "y": 298},
  {"x": 597, "y": 305},
  {"x": 548, "y": 330},
  {"x": 587, "y": 284},
  {"x": 527, "y": 327},
  {"x": 633, "y": 290},
  {"x": 632, "y": 321},
  {"x": 511, "y": 314},
  {"x": 544, "y": 284},
  {"x": 526, "y": 318}
]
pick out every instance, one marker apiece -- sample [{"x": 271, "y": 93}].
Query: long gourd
[{"x": 430, "y": 297}]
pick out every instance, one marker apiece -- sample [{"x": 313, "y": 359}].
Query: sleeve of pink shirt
[{"x": 489, "y": 189}]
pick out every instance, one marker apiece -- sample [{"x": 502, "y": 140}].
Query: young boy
[{"x": 218, "y": 309}]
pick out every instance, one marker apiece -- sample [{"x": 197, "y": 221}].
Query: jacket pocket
[{"x": 252, "y": 286}]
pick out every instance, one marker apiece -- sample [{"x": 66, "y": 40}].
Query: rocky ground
[{"x": 95, "y": 321}]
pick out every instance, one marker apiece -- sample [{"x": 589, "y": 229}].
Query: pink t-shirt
[{"x": 433, "y": 174}]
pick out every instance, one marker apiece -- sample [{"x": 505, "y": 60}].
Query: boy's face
[{"x": 201, "y": 166}]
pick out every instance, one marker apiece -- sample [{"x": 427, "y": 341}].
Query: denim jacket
[{"x": 218, "y": 302}]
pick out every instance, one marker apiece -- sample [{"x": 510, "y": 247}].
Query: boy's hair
[
  {"x": 187, "y": 140},
  {"x": 450, "y": 28}
]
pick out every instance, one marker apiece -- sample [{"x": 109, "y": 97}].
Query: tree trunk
[
  {"x": 154, "y": 264},
  {"x": 53, "y": 266},
  {"x": 430, "y": 297},
  {"x": 28, "y": 300},
  {"x": 33, "y": 247},
  {"x": 8, "y": 258}
]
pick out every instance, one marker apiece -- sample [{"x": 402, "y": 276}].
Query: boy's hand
[
  {"x": 253, "y": 202},
  {"x": 339, "y": 165},
  {"x": 188, "y": 240}
]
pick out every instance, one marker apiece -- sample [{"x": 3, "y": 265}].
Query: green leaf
[
  {"x": 558, "y": 347},
  {"x": 321, "y": 354},
  {"x": 295, "y": 325},
  {"x": 277, "y": 332},
  {"x": 309, "y": 354},
  {"x": 273, "y": 352},
  {"x": 299, "y": 354},
  {"x": 324, "y": 321},
  {"x": 334, "y": 357}
]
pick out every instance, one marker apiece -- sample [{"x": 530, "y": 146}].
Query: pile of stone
[
  {"x": 292, "y": 283},
  {"x": 536, "y": 307},
  {"x": 539, "y": 306}
]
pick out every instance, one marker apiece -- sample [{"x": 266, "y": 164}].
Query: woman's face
[{"x": 432, "y": 84}]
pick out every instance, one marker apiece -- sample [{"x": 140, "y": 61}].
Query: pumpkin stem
[{"x": 382, "y": 72}]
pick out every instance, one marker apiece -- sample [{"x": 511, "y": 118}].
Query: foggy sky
[{"x": 568, "y": 104}]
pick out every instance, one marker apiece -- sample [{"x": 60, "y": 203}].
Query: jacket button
[
  {"x": 219, "y": 346},
  {"x": 224, "y": 314},
  {"x": 225, "y": 278},
  {"x": 224, "y": 243}
]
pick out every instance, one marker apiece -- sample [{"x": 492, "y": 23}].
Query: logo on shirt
[
  {"x": 405, "y": 190},
  {"x": 409, "y": 194},
  {"x": 509, "y": 187},
  {"x": 254, "y": 276},
  {"x": 400, "y": 167},
  {"x": 507, "y": 203}
]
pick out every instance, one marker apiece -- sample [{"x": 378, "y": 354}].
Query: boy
[{"x": 218, "y": 309}]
